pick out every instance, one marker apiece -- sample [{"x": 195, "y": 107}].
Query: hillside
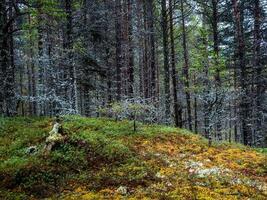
[{"x": 104, "y": 159}]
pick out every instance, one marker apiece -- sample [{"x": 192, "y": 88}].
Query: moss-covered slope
[{"x": 104, "y": 159}]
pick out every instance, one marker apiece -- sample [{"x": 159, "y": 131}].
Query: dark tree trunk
[
  {"x": 146, "y": 61},
  {"x": 2, "y": 54},
  {"x": 244, "y": 102},
  {"x": 7, "y": 95},
  {"x": 195, "y": 109},
  {"x": 41, "y": 71},
  {"x": 140, "y": 47},
  {"x": 258, "y": 75},
  {"x": 176, "y": 105},
  {"x": 152, "y": 54},
  {"x": 118, "y": 30},
  {"x": 69, "y": 45},
  {"x": 166, "y": 59},
  {"x": 217, "y": 66},
  {"x": 186, "y": 69},
  {"x": 130, "y": 49},
  {"x": 31, "y": 79}
]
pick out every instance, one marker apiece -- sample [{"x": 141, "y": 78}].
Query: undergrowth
[{"x": 102, "y": 155}]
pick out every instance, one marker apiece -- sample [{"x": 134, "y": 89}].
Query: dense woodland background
[{"x": 198, "y": 64}]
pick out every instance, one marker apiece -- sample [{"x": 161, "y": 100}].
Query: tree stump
[{"x": 55, "y": 136}]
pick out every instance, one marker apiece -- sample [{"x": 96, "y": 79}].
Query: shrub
[
  {"x": 116, "y": 152},
  {"x": 101, "y": 149},
  {"x": 69, "y": 156}
]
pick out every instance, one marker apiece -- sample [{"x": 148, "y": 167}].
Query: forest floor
[{"x": 104, "y": 159}]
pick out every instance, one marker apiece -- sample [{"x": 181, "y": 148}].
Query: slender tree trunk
[
  {"x": 176, "y": 105},
  {"x": 235, "y": 104},
  {"x": 217, "y": 67},
  {"x": 32, "y": 78},
  {"x": 30, "y": 109},
  {"x": 7, "y": 94},
  {"x": 21, "y": 77},
  {"x": 11, "y": 77},
  {"x": 244, "y": 102},
  {"x": 69, "y": 43},
  {"x": 195, "y": 109},
  {"x": 2, "y": 55},
  {"x": 259, "y": 79},
  {"x": 153, "y": 79},
  {"x": 107, "y": 57},
  {"x": 118, "y": 48},
  {"x": 166, "y": 59},
  {"x": 130, "y": 49},
  {"x": 186, "y": 69},
  {"x": 41, "y": 71},
  {"x": 146, "y": 61}
]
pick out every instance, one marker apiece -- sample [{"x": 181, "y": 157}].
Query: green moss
[
  {"x": 103, "y": 154},
  {"x": 10, "y": 195},
  {"x": 68, "y": 156},
  {"x": 262, "y": 150},
  {"x": 115, "y": 151}
]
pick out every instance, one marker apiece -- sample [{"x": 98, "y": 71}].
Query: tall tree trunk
[
  {"x": 186, "y": 69},
  {"x": 6, "y": 67},
  {"x": 21, "y": 77},
  {"x": 146, "y": 61},
  {"x": 244, "y": 102},
  {"x": 217, "y": 67},
  {"x": 3, "y": 64},
  {"x": 152, "y": 54},
  {"x": 164, "y": 22},
  {"x": 235, "y": 104},
  {"x": 41, "y": 71},
  {"x": 258, "y": 75},
  {"x": 69, "y": 43},
  {"x": 11, "y": 76},
  {"x": 32, "y": 76},
  {"x": 130, "y": 49},
  {"x": 140, "y": 48},
  {"x": 176, "y": 105},
  {"x": 118, "y": 48},
  {"x": 195, "y": 109}
]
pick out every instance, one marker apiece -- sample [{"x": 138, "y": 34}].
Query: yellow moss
[{"x": 91, "y": 196}]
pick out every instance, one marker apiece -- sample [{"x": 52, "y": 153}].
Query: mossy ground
[{"x": 156, "y": 162}]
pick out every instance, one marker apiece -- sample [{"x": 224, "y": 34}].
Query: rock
[
  {"x": 194, "y": 165},
  {"x": 206, "y": 172},
  {"x": 122, "y": 190},
  {"x": 169, "y": 184},
  {"x": 159, "y": 175},
  {"x": 31, "y": 150},
  {"x": 182, "y": 155}
]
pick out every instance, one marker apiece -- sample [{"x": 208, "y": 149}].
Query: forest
[
  {"x": 199, "y": 65},
  {"x": 133, "y": 99}
]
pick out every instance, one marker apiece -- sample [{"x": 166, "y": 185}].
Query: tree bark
[
  {"x": 176, "y": 104},
  {"x": 186, "y": 69},
  {"x": 130, "y": 50},
  {"x": 244, "y": 102},
  {"x": 72, "y": 69},
  {"x": 164, "y": 24},
  {"x": 118, "y": 48},
  {"x": 7, "y": 95},
  {"x": 152, "y": 54},
  {"x": 258, "y": 75},
  {"x": 217, "y": 67}
]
